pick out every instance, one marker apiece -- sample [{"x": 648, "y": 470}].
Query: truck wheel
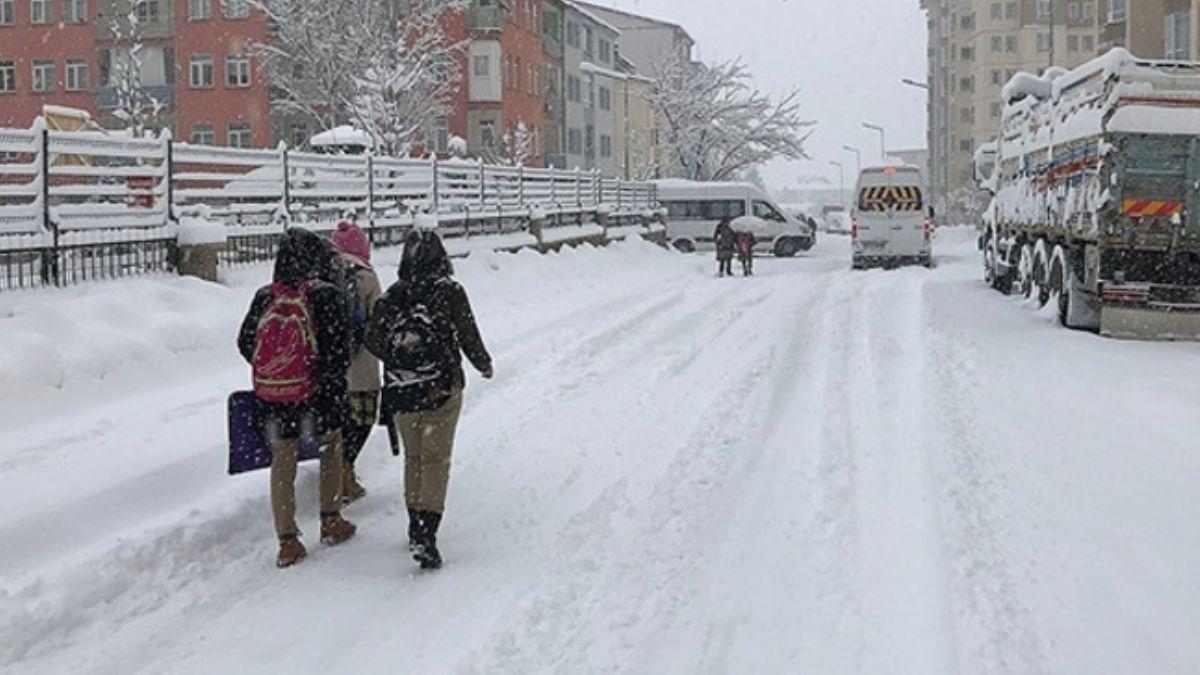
[
  {"x": 1025, "y": 280},
  {"x": 685, "y": 246},
  {"x": 786, "y": 248},
  {"x": 1041, "y": 278},
  {"x": 989, "y": 265},
  {"x": 1073, "y": 309}
]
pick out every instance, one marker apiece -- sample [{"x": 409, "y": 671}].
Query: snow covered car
[
  {"x": 891, "y": 223},
  {"x": 694, "y": 208}
]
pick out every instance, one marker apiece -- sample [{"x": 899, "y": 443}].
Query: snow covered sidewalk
[{"x": 814, "y": 470}]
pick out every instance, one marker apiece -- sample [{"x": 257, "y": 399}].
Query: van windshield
[
  {"x": 767, "y": 212},
  {"x": 881, "y": 198}
]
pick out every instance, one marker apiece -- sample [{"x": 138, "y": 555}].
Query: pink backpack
[{"x": 285, "y": 347}]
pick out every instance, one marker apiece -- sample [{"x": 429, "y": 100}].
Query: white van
[
  {"x": 892, "y": 223},
  {"x": 694, "y": 209}
]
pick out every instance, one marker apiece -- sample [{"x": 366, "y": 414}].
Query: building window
[
  {"x": 1072, "y": 43},
  {"x": 202, "y": 134},
  {"x": 997, "y": 10},
  {"x": 1073, "y": 11},
  {"x": 997, "y": 78},
  {"x": 996, "y": 110},
  {"x": 605, "y": 146},
  {"x": 239, "y": 135},
  {"x": 43, "y": 76},
  {"x": 589, "y": 41},
  {"x": 605, "y": 98},
  {"x": 573, "y": 87},
  {"x": 201, "y": 71},
  {"x": 573, "y": 34},
  {"x": 1089, "y": 43},
  {"x": 1177, "y": 43},
  {"x": 146, "y": 12},
  {"x": 77, "y": 75},
  {"x": 6, "y": 12},
  {"x": 1010, "y": 43},
  {"x": 40, "y": 12},
  {"x": 199, "y": 10},
  {"x": 237, "y": 71},
  {"x": 997, "y": 44},
  {"x": 487, "y": 134},
  {"x": 1043, "y": 10},
  {"x": 482, "y": 66},
  {"x": 574, "y": 142},
  {"x": 8, "y": 77},
  {"x": 235, "y": 9},
  {"x": 1010, "y": 10},
  {"x": 1116, "y": 11},
  {"x": 76, "y": 11},
  {"x": 605, "y": 51},
  {"x": 1043, "y": 42}
]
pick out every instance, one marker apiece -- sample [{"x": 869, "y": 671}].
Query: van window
[
  {"x": 880, "y": 198},
  {"x": 706, "y": 210},
  {"x": 767, "y": 212}
]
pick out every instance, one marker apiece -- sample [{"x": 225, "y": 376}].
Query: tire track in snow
[
  {"x": 986, "y": 588},
  {"x": 615, "y": 558}
]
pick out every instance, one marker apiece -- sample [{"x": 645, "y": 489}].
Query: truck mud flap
[{"x": 1137, "y": 323}]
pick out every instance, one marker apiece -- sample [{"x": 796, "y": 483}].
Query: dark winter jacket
[
  {"x": 425, "y": 278},
  {"x": 303, "y": 256},
  {"x": 725, "y": 239}
]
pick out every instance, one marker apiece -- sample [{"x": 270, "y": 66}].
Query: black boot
[
  {"x": 414, "y": 530},
  {"x": 426, "y": 552}
]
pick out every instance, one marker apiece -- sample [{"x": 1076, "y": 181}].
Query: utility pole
[
  {"x": 1050, "y": 4},
  {"x": 841, "y": 183}
]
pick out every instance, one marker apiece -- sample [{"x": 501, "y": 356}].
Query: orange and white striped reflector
[{"x": 1145, "y": 208}]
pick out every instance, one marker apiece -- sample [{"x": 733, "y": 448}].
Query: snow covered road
[{"x": 815, "y": 470}]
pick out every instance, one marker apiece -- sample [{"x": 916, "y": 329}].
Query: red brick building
[{"x": 194, "y": 56}]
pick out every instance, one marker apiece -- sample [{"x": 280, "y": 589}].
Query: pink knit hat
[{"x": 349, "y": 238}]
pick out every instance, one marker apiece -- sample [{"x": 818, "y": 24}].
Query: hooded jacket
[
  {"x": 304, "y": 257},
  {"x": 364, "y": 369},
  {"x": 426, "y": 277}
]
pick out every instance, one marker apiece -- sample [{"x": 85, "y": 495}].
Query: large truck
[{"x": 1095, "y": 183}]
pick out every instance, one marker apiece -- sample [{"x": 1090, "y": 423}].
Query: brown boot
[
  {"x": 291, "y": 551},
  {"x": 352, "y": 490},
  {"x": 335, "y": 529}
]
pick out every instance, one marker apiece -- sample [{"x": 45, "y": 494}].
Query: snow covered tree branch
[
  {"x": 716, "y": 125},
  {"x": 387, "y": 66},
  {"x": 137, "y": 109},
  {"x": 517, "y": 146}
]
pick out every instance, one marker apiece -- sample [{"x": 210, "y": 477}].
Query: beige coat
[{"x": 364, "y": 369}]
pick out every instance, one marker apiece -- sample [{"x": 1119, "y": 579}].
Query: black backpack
[
  {"x": 346, "y": 279},
  {"x": 420, "y": 360}
]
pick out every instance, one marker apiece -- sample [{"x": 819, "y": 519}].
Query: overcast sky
[{"x": 846, "y": 56}]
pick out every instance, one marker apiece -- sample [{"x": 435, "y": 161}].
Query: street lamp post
[
  {"x": 857, "y": 156},
  {"x": 841, "y": 182},
  {"x": 914, "y": 83},
  {"x": 882, "y": 139}
]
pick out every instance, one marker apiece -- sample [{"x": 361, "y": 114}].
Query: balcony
[{"x": 485, "y": 18}]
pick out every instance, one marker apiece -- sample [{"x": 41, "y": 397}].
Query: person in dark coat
[
  {"x": 421, "y": 328},
  {"x": 726, "y": 241},
  {"x": 302, "y": 261}
]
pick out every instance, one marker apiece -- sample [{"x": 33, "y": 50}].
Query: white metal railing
[{"x": 70, "y": 181}]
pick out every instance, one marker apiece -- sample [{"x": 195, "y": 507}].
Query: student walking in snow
[
  {"x": 420, "y": 329},
  {"x": 726, "y": 241},
  {"x": 296, "y": 339},
  {"x": 363, "y": 380},
  {"x": 745, "y": 247}
]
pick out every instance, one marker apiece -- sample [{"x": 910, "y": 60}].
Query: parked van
[
  {"x": 892, "y": 223},
  {"x": 694, "y": 209}
]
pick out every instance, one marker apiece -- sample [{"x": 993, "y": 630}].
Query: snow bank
[{"x": 197, "y": 231}]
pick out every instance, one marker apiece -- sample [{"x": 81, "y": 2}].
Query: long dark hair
[{"x": 424, "y": 260}]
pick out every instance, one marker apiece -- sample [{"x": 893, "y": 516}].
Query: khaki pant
[
  {"x": 283, "y": 480},
  {"x": 428, "y": 443}
]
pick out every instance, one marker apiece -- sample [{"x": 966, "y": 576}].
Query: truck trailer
[{"x": 1095, "y": 184}]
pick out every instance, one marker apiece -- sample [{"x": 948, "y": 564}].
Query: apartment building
[
  {"x": 506, "y": 67},
  {"x": 975, "y": 47},
  {"x": 1153, "y": 29},
  {"x": 193, "y": 54},
  {"x": 645, "y": 42},
  {"x": 589, "y": 64}
]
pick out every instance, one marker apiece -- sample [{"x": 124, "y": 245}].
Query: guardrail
[{"x": 79, "y": 205}]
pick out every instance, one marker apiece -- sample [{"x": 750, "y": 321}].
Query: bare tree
[
  {"x": 137, "y": 109},
  {"x": 518, "y": 145},
  {"x": 387, "y": 66},
  {"x": 716, "y": 124}
]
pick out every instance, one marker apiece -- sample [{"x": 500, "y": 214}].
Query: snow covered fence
[{"x": 78, "y": 205}]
